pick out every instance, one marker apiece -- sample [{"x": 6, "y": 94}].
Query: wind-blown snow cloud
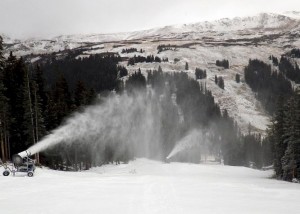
[{"x": 45, "y": 18}]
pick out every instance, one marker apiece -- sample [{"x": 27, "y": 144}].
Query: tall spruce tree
[
  {"x": 28, "y": 112},
  {"x": 277, "y": 134},
  {"x": 4, "y": 118},
  {"x": 186, "y": 66},
  {"x": 38, "y": 77},
  {"x": 81, "y": 94}
]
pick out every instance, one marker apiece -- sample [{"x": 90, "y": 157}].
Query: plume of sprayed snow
[
  {"x": 195, "y": 138},
  {"x": 124, "y": 122},
  {"x": 122, "y": 119}
]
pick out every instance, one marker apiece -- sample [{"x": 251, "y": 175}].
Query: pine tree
[
  {"x": 62, "y": 99},
  {"x": 80, "y": 94},
  {"x": 39, "y": 80},
  {"x": 237, "y": 78},
  {"x": 186, "y": 66},
  {"x": 288, "y": 160},
  {"x": 28, "y": 112},
  {"x": 277, "y": 132},
  {"x": 159, "y": 69},
  {"x": 4, "y": 119},
  {"x": 221, "y": 82},
  {"x": 39, "y": 120}
]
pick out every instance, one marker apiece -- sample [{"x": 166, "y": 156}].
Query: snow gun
[
  {"x": 18, "y": 159},
  {"x": 21, "y": 164}
]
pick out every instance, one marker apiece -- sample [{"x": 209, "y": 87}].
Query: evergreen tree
[
  {"x": 277, "y": 133},
  {"x": 237, "y": 78},
  {"x": 28, "y": 112},
  {"x": 81, "y": 97},
  {"x": 159, "y": 69},
  {"x": 186, "y": 66},
  {"x": 4, "y": 114},
  {"x": 38, "y": 78},
  {"x": 39, "y": 119},
  {"x": 221, "y": 82}
]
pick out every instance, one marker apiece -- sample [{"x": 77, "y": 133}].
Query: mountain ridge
[{"x": 259, "y": 21}]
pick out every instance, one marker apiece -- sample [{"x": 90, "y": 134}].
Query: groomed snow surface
[{"x": 145, "y": 186}]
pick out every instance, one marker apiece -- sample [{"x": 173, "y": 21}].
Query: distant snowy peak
[
  {"x": 261, "y": 21},
  {"x": 292, "y": 14},
  {"x": 264, "y": 21}
]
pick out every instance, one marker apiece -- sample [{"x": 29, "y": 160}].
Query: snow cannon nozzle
[{"x": 18, "y": 158}]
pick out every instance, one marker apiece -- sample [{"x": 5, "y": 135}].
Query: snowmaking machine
[{"x": 21, "y": 163}]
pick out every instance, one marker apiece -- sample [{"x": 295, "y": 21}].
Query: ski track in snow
[{"x": 145, "y": 186}]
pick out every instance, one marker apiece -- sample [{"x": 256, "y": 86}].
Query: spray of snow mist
[{"x": 121, "y": 119}]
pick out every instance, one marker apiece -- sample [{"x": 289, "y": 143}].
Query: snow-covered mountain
[
  {"x": 224, "y": 29},
  {"x": 199, "y": 44},
  {"x": 292, "y": 14}
]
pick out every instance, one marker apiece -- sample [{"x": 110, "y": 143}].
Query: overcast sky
[{"x": 47, "y": 18}]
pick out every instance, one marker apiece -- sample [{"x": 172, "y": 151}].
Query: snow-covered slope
[
  {"x": 199, "y": 44},
  {"x": 145, "y": 186}
]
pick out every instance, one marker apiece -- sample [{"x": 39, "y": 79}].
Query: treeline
[
  {"x": 99, "y": 72},
  {"x": 285, "y": 65},
  {"x": 162, "y": 48},
  {"x": 289, "y": 69},
  {"x": 268, "y": 85},
  {"x": 131, "y": 50},
  {"x": 147, "y": 59},
  {"x": 223, "y": 63},
  {"x": 294, "y": 53},
  {"x": 29, "y": 111}
]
